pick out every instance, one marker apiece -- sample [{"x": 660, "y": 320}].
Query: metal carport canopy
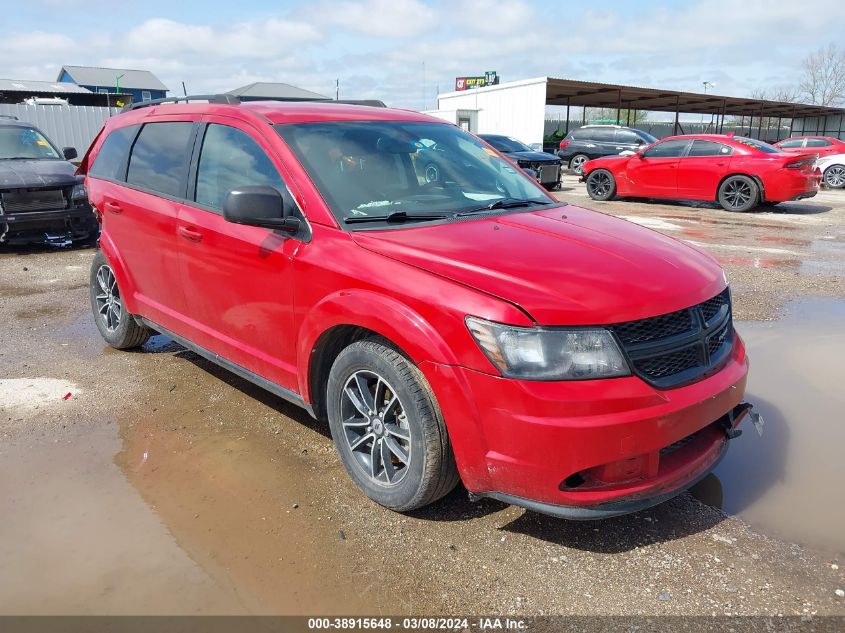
[{"x": 562, "y": 92}]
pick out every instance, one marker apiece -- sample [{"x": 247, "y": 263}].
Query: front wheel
[
  {"x": 834, "y": 177},
  {"x": 738, "y": 193},
  {"x": 601, "y": 185},
  {"x": 387, "y": 427}
]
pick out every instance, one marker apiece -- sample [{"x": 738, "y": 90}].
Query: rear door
[
  {"x": 605, "y": 141},
  {"x": 140, "y": 216},
  {"x": 654, "y": 173},
  {"x": 627, "y": 140},
  {"x": 238, "y": 278},
  {"x": 702, "y": 168}
]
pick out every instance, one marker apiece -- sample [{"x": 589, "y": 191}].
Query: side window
[
  {"x": 708, "y": 148},
  {"x": 231, "y": 159},
  {"x": 110, "y": 163},
  {"x": 602, "y": 135},
  {"x": 146, "y": 95},
  {"x": 818, "y": 142},
  {"x": 666, "y": 149},
  {"x": 159, "y": 158},
  {"x": 627, "y": 136},
  {"x": 795, "y": 142}
]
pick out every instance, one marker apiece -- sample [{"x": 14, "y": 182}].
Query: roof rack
[
  {"x": 230, "y": 98},
  {"x": 218, "y": 98}
]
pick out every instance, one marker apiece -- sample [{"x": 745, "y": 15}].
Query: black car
[
  {"x": 594, "y": 141},
  {"x": 544, "y": 165},
  {"x": 41, "y": 197}
]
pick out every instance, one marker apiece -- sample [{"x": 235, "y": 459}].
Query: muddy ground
[{"x": 163, "y": 484}]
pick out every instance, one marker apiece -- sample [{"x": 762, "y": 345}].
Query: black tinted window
[
  {"x": 627, "y": 136},
  {"x": 230, "y": 159},
  {"x": 666, "y": 149},
  {"x": 708, "y": 148},
  {"x": 795, "y": 142},
  {"x": 818, "y": 142},
  {"x": 600, "y": 134},
  {"x": 159, "y": 157},
  {"x": 110, "y": 162}
]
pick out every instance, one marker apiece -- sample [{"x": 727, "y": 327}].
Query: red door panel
[{"x": 653, "y": 177}]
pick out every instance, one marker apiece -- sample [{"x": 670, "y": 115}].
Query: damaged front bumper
[{"x": 59, "y": 228}]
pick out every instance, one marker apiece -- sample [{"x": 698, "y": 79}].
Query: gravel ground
[{"x": 221, "y": 498}]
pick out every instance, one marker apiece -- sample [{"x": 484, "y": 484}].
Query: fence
[
  {"x": 66, "y": 126},
  {"x": 661, "y": 129}
]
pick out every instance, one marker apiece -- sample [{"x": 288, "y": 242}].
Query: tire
[
  {"x": 834, "y": 177},
  {"x": 117, "y": 327},
  {"x": 738, "y": 193},
  {"x": 407, "y": 422},
  {"x": 601, "y": 185},
  {"x": 576, "y": 163}
]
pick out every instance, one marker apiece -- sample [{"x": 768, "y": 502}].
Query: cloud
[{"x": 392, "y": 19}]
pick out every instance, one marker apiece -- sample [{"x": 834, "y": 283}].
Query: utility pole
[
  {"x": 706, "y": 85},
  {"x": 337, "y": 89},
  {"x": 184, "y": 90},
  {"x": 423, "y": 87}
]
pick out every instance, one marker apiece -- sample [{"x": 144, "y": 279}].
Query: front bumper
[
  {"x": 587, "y": 449},
  {"x": 60, "y": 226}
]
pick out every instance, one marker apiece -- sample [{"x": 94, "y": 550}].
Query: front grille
[
  {"x": 681, "y": 347},
  {"x": 23, "y": 200}
]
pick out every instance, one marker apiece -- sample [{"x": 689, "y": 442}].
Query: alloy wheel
[
  {"x": 599, "y": 184},
  {"x": 109, "y": 304},
  {"x": 834, "y": 177},
  {"x": 577, "y": 163},
  {"x": 737, "y": 193},
  {"x": 432, "y": 173},
  {"x": 375, "y": 428}
]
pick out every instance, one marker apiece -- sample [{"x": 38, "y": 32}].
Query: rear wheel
[
  {"x": 601, "y": 185},
  {"x": 738, "y": 193},
  {"x": 387, "y": 427},
  {"x": 576, "y": 163},
  {"x": 834, "y": 177},
  {"x": 117, "y": 327}
]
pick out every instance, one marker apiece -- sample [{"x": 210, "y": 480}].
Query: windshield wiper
[
  {"x": 505, "y": 203},
  {"x": 396, "y": 217}
]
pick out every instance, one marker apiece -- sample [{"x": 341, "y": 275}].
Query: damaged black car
[{"x": 41, "y": 197}]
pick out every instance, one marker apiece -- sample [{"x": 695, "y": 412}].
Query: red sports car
[
  {"x": 739, "y": 173},
  {"x": 821, "y": 145}
]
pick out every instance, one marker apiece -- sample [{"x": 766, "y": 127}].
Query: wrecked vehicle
[
  {"x": 468, "y": 328},
  {"x": 41, "y": 197}
]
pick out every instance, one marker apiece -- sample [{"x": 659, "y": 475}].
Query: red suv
[{"x": 468, "y": 327}]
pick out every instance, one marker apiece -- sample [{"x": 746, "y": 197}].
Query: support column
[
  {"x": 677, "y": 106},
  {"x": 567, "y": 116}
]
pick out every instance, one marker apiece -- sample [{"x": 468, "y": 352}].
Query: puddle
[{"x": 790, "y": 483}]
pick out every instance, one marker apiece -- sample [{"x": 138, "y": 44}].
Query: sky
[{"x": 402, "y": 51}]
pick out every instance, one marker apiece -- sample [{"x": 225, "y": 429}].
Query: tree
[
  {"x": 609, "y": 115},
  {"x": 823, "y": 82}
]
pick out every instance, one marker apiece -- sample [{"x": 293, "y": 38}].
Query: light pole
[{"x": 706, "y": 84}]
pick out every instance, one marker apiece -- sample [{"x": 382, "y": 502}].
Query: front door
[
  {"x": 654, "y": 173},
  {"x": 237, "y": 279}
]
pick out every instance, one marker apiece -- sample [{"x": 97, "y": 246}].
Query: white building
[{"x": 515, "y": 108}]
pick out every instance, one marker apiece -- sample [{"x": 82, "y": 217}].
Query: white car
[{"x": 833, "y": 170}]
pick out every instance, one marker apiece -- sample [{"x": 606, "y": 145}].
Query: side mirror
[
  {"x": 260, "y": 206},
  {"x": 69, "y": 153}
]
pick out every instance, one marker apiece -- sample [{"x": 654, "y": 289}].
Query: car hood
[
  {"x": 37, "y": 173},
  {"x": 563, "y": 266},
  {"x": 535, "y": 157}
]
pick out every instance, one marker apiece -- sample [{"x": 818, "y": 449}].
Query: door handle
[
  {"x": 722, "y": 164},
  {"x": 190, "y": 234},
  {"x": 114, "y": 207}
]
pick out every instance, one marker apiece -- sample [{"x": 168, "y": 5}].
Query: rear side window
[
  {"x": 230, "y": 159},
  {"x": 818, "y": 142},
  {"x": 601, "y": 134},
  {"x": 708, "y": 148},
  {"x": 627, "y": 136},
  {"x": 159, "y": 158},
  {"x": 667, "y": 149},
  {"x": 110, "y": 163},
  {"x": 795, "y": 142}
]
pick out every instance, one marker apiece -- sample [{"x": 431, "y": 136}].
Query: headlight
[
  {"x": 78, "y": 192},
  {"x": 549, "y": 354}
]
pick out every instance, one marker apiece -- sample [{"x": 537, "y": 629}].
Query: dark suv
[
  {"x": 594, "y": 141},
  {"x": 41, "y": 197}
]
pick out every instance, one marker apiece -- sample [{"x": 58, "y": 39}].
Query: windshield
[
  {"x": 24, "y": 142},
  {"x": 758, "y": 145},
  {"x": 507, "y": 144},
  {"x": 406, "y": 169}
]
